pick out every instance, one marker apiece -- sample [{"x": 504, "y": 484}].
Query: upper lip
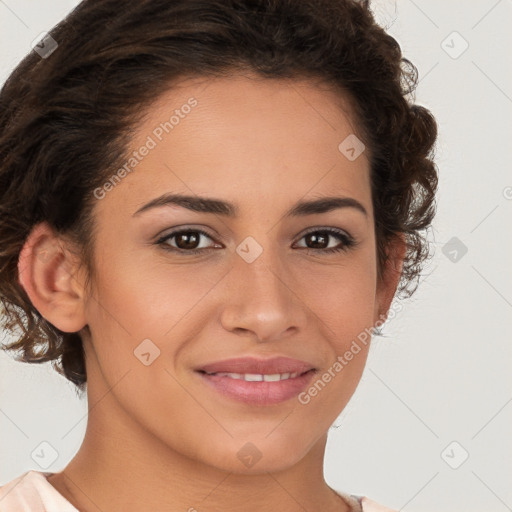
[{"x": 258, "y": 366}]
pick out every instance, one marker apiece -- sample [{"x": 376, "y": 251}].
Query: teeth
[
  {"x": 252, "y": 377},
  {"x": 258, "y": 377},
  {"x": 231, "y": 375}
]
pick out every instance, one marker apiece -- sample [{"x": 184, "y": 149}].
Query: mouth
[
  {"x": 258, "y": 377},
  {"x": 257, "y": 382}
]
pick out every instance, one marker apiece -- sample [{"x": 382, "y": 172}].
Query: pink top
[{"x": 31, "y": 492}]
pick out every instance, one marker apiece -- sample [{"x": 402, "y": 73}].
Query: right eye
[{"x": 186, "y": 241}]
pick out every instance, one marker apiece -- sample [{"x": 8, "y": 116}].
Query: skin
[{"x": 157, "y": 437}]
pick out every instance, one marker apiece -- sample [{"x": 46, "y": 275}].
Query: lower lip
[{"x": 259, "y": 392}]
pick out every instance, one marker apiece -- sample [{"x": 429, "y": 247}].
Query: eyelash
[{"x": 347, "y": 241}]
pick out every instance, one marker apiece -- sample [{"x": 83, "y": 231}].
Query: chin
[{"x": 259, "y": 456}]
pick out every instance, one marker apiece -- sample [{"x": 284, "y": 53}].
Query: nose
[{"x": 260, "y": 300}]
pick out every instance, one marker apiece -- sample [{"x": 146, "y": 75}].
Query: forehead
[
  {"x": 249, "y": 137},
  {"x": 261, "y": 107}
]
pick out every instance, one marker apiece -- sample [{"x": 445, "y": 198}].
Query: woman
[{"x": 207, "y": 209}]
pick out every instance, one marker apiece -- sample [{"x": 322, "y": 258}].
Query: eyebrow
[{"x": 225, "y": 208}]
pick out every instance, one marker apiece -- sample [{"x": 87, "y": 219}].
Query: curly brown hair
[{"x": 66, "y": 121}]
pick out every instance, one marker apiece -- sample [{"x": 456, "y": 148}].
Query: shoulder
[
  {"x": 31, "y": 492},
  {"x": 371, "y": 506},
  {"x": 363, "y": 504}
]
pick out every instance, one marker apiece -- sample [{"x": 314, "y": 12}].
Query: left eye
[
  {"x": 321, "y": 237},
  {"x": 189, "y": 241}
]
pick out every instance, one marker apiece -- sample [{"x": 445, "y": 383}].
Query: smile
[
  {"x": 258, "y": 377},
  {"x": 257, "y": 389}
]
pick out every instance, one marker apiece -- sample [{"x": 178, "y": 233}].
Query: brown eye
[
  {"x": 320, "y": 239},
  {"x": 188, "y": 240},
  {"x": 185, "y": 241}
]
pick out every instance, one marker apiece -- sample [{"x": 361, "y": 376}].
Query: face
[{"x": 250, "y": 275}]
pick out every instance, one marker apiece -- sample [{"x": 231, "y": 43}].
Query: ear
[
  {"x": 48, "y": 272},
  {"x": 389, "y": 277}
]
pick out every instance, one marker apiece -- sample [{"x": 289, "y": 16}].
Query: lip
[
  {"x": 258, "y": 392},
  {"x": 255, "y": 365}
]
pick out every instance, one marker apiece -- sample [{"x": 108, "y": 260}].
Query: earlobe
[
  {"x": 47, "y": 271},
  {"x": 390, "y": 277}
]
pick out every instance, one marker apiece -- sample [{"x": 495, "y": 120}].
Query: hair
[{"x": 66, "y": 121}]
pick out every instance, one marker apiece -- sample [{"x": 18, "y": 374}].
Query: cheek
[
  {"x": 341, "y": 295},
  {"x": 136, "y": 301},
  {"x": 147, "y": 297},
  {"x": 344, "y": 305},
  {"x": 343, "y": 299}
]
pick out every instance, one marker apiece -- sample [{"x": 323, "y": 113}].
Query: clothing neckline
[{"x": 353, "y": 501}]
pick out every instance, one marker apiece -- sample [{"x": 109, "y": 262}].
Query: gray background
[{"x": 437, "y": 388}]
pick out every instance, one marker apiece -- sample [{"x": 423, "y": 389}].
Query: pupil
[
  {"x": 318, "y": 239},
  {"x": 190, "y": 244}
]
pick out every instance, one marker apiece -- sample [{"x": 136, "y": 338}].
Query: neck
[{"x": 115, "y": 475}]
